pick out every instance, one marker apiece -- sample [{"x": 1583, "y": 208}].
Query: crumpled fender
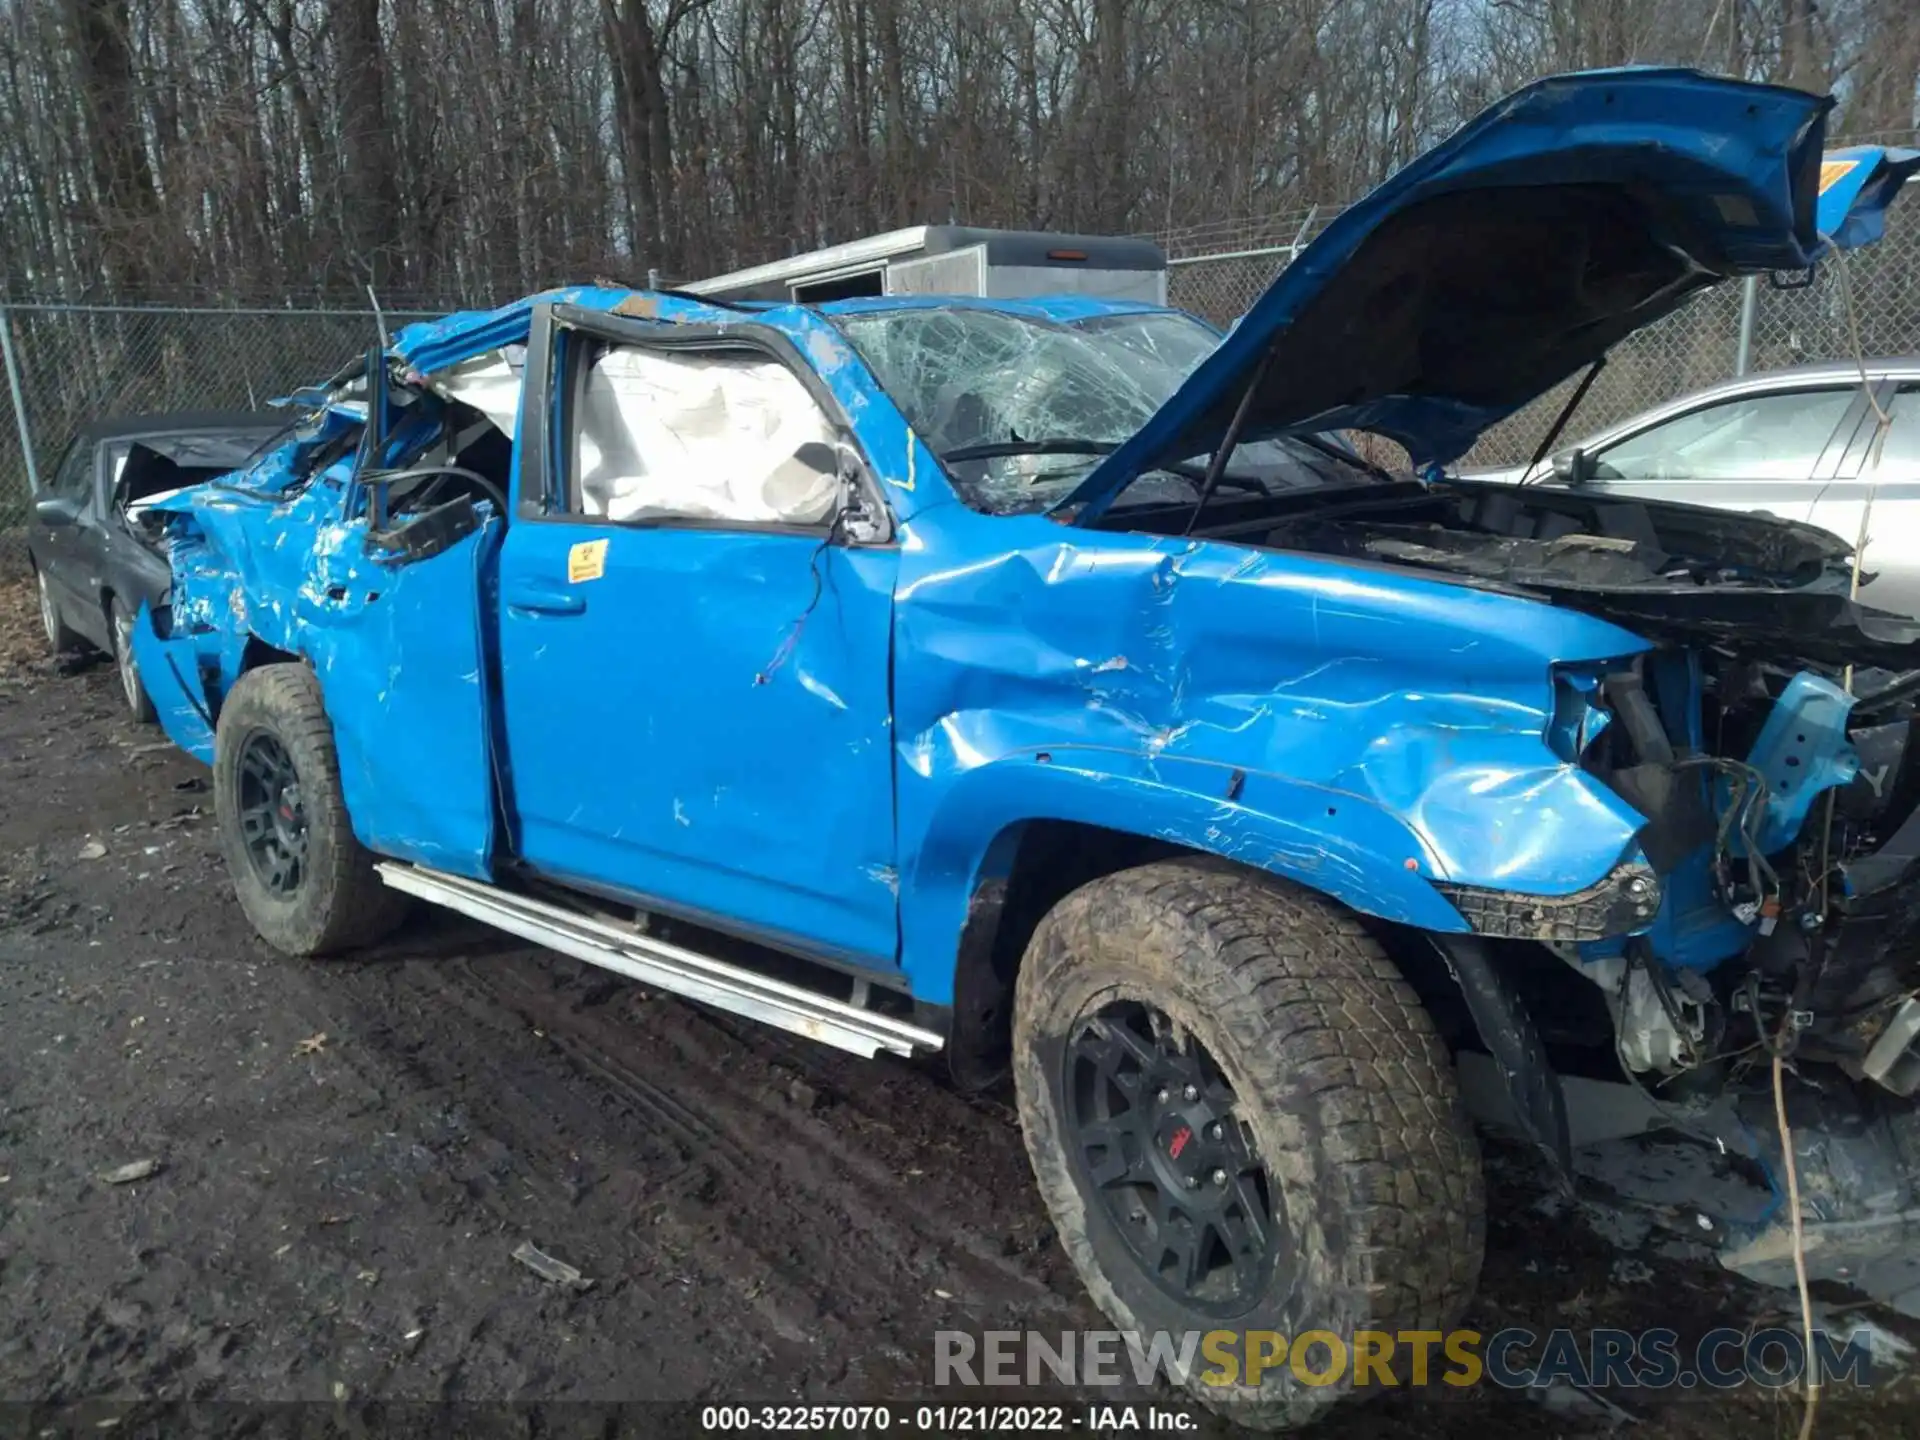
[
  {"x": 1265, "y": 821},
  {"x": 1364, "y": 730}
]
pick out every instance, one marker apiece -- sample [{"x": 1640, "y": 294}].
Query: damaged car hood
[{"x": 1565, "y": 217}]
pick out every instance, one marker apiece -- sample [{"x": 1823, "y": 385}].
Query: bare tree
[{"x": 461, "y": 150}]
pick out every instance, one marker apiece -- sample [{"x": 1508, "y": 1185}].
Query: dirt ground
[{"x": 348, "y": 1154}]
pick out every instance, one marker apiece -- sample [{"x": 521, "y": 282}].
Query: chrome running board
[{"x": 666, "y": 967}]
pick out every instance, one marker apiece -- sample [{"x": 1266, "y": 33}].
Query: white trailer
[{"x": 956, "y": 260}]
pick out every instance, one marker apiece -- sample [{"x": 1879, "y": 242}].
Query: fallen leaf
[
  {"x": 128, "y": 1173},
  {"x": 943, "y": 1294},
  {"x": 312, "y": 1045},
  {"x": 92, "y": 850}
]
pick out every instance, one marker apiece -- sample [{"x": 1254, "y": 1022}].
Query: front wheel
[
  {"x": 1241, "y": 1119},
  {"x": 307, "y": 885}
]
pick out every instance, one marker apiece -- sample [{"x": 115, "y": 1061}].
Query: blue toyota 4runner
[{"x": 1034, "y": 682}]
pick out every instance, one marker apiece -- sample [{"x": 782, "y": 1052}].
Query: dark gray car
[
  {"x": 1794, "y": 443},
  {"x": 93, "y": 559}
]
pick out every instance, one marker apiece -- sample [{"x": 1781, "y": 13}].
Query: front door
[
  {"x": 56, "y": 546},
  {"x": 694, "y": 656}
]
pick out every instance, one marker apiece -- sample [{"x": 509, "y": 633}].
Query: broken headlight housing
[{"x": 1624, "y": 900}]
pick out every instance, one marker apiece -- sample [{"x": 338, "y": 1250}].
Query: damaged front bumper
[
  {"x": 1771, "y": 905},
  {"x": 169, "y": 669}
]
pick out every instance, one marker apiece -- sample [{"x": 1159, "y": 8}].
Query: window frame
[
  {"x": 80, "y": 455},
  {"x": 1818, "y": 460},
  {"x": 1895, "y": 388},
  {"x": 108, "y": 478},
  {"x": 545, "y": 480}
]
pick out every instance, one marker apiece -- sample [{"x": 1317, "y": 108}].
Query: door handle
[{"x": 544, "y": 600}]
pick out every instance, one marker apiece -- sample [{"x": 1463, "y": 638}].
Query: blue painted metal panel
[
  {"x": 693, "y": 726},
  {"x": 170, "y": 670},
  {"x": 1365, "y": 731},
  {"x": 397, "y": 650},
  {"x": 430, "y": 345},
  {"x": 402, "y": 668},
  {"x": 1802, "y": 751}
]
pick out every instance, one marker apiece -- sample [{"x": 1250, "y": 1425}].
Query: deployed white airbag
[
  {"x": 705, "y": 436},
  {"x": 490, "y": 383}
]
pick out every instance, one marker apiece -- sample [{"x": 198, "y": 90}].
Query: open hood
[{"x": 1568, "y": 215}]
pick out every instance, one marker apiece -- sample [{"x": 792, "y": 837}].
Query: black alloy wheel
[
  {"x": 273, "y": 818},
  {"x": 1151, "y": 1122}
]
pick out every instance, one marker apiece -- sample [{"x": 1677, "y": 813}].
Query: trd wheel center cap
[
  {"x": 1191, "y": 1152},
  {"x": 289, "y": 822}
]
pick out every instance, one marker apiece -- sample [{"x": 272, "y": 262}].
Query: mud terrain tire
[
  {"x": 1372, "y": 1174},
  {"x": 274, "y": 724}
]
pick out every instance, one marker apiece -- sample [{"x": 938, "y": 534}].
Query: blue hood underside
[{"x": 1567, "y": 216}]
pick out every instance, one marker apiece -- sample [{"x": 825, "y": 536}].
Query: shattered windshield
[{"x": 1019, "y": 408}]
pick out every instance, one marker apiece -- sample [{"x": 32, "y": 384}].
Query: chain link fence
[
  {"x": 68, "y": 364},
  {"x": 1218, "y": 270}
]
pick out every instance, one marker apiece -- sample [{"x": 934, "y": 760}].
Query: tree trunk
[
  {"x": 370, "y": 209},
  {"x": 126, "y": 205}
]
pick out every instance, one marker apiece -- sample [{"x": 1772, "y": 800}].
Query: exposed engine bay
[
  {"x": 1766, "y": 740},
  {"x": 1781, "y": 825},
  {"x": 1753, "y": 584}
]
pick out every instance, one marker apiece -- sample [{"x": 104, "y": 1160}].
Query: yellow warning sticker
[
  {"x": 1832, "y": 172},
  {"x": 586, "y": 561}
]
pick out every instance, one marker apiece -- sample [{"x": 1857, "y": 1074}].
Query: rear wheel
[
  {"x": 1241, "y": 1119},
  {"x": 307, "y": 885},
  {"x": 60, "y": 640},
  {"x": 120, "y": 624}
]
